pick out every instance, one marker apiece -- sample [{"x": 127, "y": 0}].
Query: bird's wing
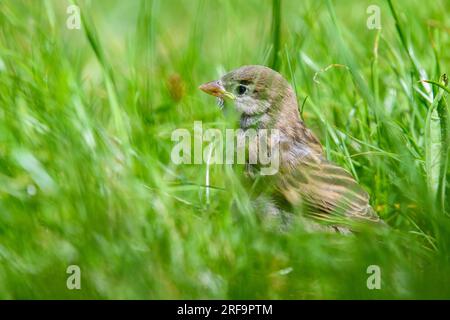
[{"x": 326, "y": 190}]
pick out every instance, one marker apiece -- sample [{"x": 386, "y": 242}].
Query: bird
[{"x": 327, "y": 194}]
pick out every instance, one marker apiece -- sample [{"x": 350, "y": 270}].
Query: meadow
[{"x": 86, "y": 177}]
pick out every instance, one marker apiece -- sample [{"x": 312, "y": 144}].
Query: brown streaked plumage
[{"x": 324, "y": 190}]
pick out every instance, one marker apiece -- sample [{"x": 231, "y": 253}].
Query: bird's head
[{"x": 258, "y": 93}]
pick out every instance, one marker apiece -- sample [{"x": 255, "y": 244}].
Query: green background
[{"x": 86, "y": 118}]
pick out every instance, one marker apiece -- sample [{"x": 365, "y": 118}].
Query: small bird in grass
[{"x": 305, "y": 179}]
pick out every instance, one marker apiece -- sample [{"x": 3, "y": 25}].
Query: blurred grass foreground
[{"x": 86, "y": 116}]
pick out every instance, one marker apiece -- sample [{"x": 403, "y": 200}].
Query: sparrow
[{"x": 322, "y": 190}]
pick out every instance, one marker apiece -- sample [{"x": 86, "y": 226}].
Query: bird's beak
[{"x": 214, "y": 88}]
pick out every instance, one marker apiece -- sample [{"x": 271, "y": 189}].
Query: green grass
[{"x": 86, "y": 118}]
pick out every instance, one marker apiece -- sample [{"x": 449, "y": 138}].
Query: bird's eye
[{"x": 241, "y": 89}]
